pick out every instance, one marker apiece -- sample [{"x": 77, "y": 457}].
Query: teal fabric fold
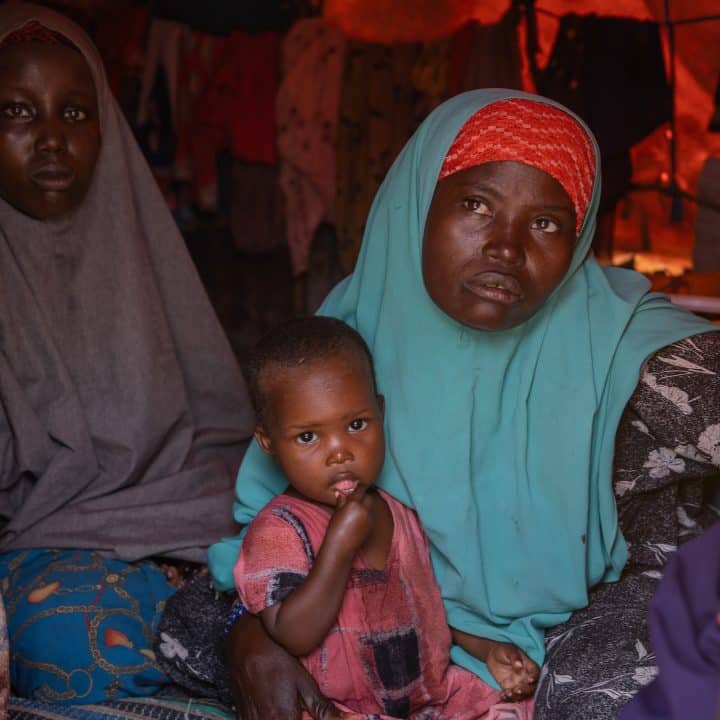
[{"x": 502, "y": 441}]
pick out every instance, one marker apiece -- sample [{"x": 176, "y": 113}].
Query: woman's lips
[
  {"x": 53, "y": 178},
  {"x": 496, "y": 287}
]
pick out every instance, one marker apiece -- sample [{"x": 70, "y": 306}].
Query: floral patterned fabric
[{"x": 667, "y": 462}]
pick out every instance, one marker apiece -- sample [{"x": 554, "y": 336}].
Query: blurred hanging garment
[
  {"x": 485, "y": 56},
  {"x": 236, "y": 111},
  {"x": 120, "y": 38},
  {"x": 257, "y": 218},
  {"x": 163, "y": 51},
  {"x": 156, "y": 117},
  {"x": 379, "y": 111},
  {"x": 313, "y": 57},
  {"x": 611, "y": 72},
  {"x": 200, "y": 57}
]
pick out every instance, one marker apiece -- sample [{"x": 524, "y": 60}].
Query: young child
[{"x": 339, "y": 571}]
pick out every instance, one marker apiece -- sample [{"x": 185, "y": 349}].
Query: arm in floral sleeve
[{"x": 667, "y": 455}]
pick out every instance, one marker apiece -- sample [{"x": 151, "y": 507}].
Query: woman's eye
[
  {"x": 74, "y": 114},
  {"x": 16, "y": 111},
  {"x": 305, "y": 438},
  {"x": 357, "y": 425},
  {"x": 546, "y": 225},
  {"x": 477, "y": 206}
]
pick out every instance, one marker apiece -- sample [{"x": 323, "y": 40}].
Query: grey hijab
[{"x": 123, "y": 414}]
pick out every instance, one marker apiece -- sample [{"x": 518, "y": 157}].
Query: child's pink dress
[{"x": 387, "y": 656}]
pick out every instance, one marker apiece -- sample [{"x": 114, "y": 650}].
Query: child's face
[
  {"x": 324, "y": 426},
  {"x": 49, "y": 128}
]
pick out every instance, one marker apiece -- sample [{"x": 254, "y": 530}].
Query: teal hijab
[{"x": 502, "y": 441}]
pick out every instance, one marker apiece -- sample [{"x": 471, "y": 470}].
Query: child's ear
[
  {"x": 263, "y": 440},
  {"x": 381, "y": 404}
]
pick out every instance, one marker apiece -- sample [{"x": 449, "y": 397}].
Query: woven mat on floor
[{"x": 127, "y": 709}]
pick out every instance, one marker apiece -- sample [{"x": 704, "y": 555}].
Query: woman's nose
[
  {"x": 51, "y": 137},
  {"x": 505, "y": 244}
]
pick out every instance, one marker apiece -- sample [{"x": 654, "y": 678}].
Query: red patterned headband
[
  {"x": 534, "y": 133},
  {"x": 33, "y": 31}
]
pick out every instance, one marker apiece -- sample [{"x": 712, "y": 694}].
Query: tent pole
[{"x": 676, "y": 206}]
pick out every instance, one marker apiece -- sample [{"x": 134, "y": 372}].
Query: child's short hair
[{"x": 298, "y": 342}]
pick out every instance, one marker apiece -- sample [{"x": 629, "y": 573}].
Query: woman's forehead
[
  {"x": 34, "y": 26},
  {"x": 47, "y": 64},
  {"x": 532, "y": 132}
]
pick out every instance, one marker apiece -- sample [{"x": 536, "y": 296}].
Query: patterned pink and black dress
[{"x": 387, "y": 656}]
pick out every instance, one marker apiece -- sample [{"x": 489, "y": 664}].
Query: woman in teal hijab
[{"x": 504, "y": 386}]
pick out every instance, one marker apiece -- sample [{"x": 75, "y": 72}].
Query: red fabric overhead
[{"x": 399, "y": 21}]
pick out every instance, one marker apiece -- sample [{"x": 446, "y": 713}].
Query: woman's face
[
  {"x": 499, "y": 238},
  {"x": 49, "y": 128}
]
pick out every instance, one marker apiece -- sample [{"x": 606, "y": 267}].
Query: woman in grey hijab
[{"x": 123, "y": 414}]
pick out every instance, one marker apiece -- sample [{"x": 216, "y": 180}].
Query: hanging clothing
[
  {"x": 163, "y": 50},
  {"x": 257, "y": 218},
  {"x": 379, "y": 110},
  {"x": 307, "y": 117},
  {"x": 124, "y": 414},
  {"x": 200, "y": 55},
  {"x": 392, "y": 613},
  {"x": 517, "y": 418},
  {"x": 429, "y": 77},
  {"x": 486, "y": 56},
  {"x": 324, "y": 270},
  {"x": 237, "y": 110},
  {"x": 611, "y": 72},
  {"x": 120, "y": 39}
]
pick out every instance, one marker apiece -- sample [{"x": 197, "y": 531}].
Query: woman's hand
[
  {"x": 514, "y": 671},
  {"x": 266, "y": 682}
]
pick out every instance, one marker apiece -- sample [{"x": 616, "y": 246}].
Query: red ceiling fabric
[{"x": 400, "y": 21}]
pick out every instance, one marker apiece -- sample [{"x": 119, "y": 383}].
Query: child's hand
[
  {"x": 514, "y": 671},
  {"x": 351, "y": 523}
]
